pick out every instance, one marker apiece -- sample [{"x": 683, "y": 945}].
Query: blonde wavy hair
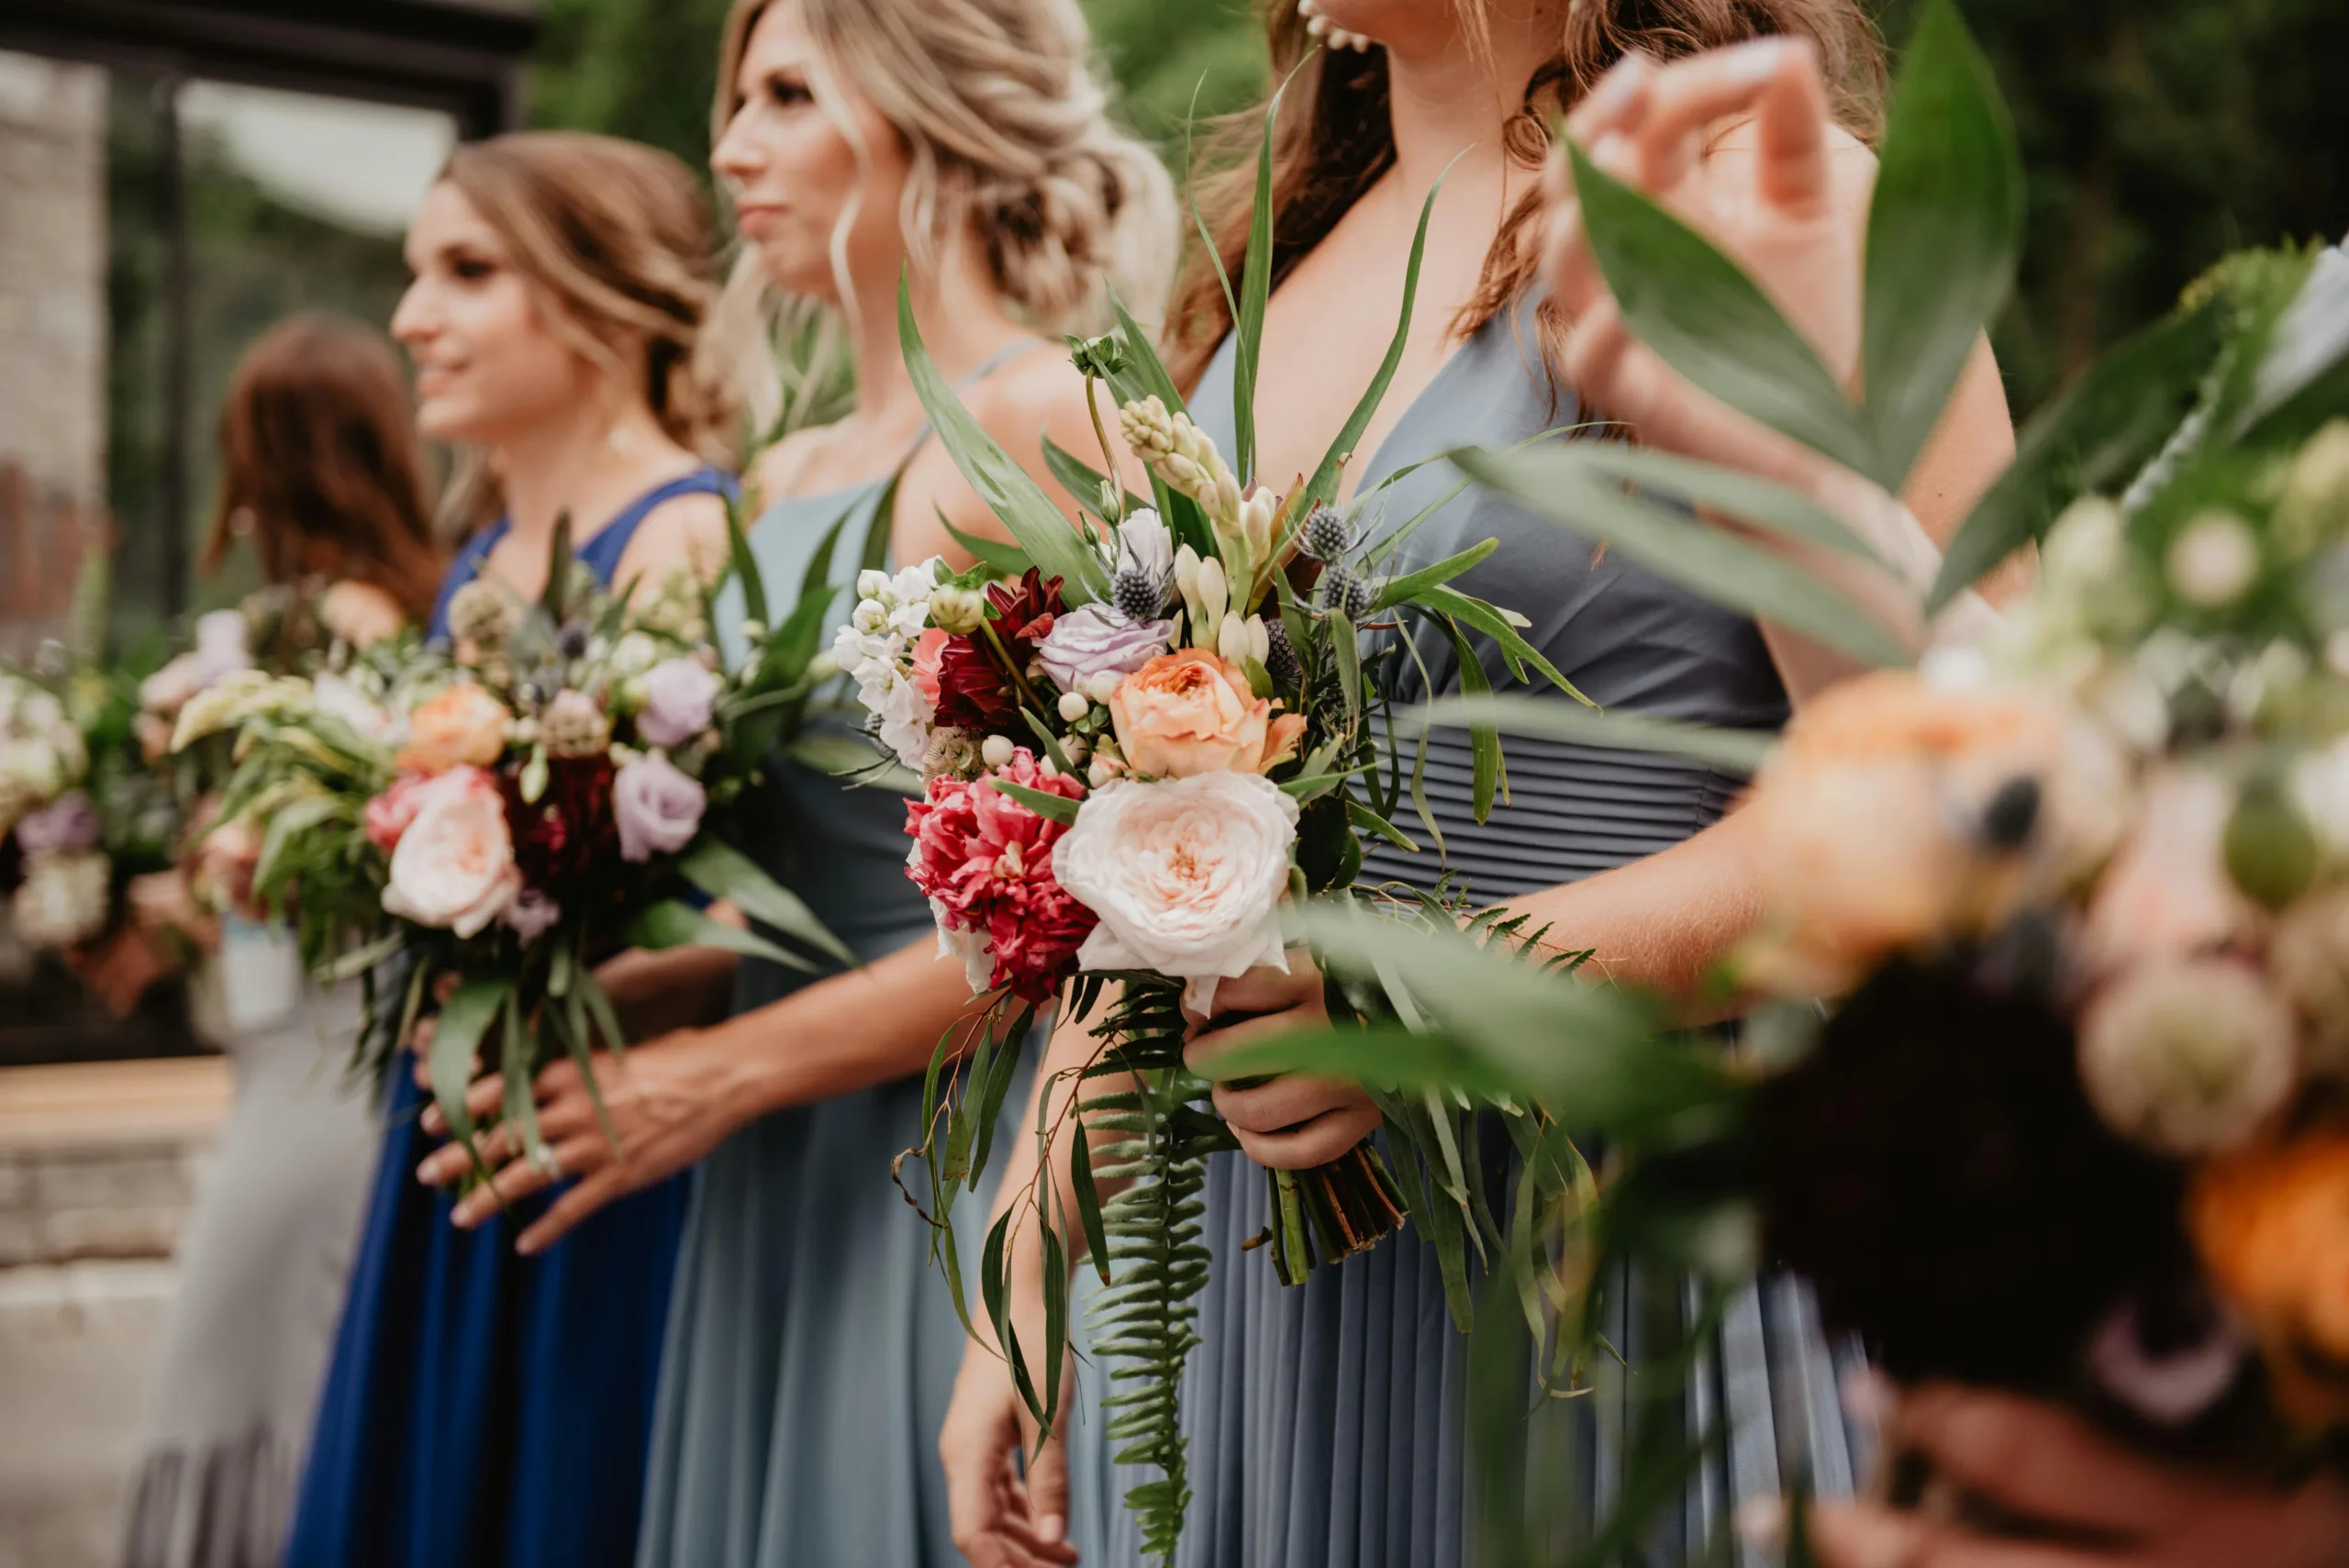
[
  {"x": 617, "y": 244},
  {"x": 1008, "y": 132}
]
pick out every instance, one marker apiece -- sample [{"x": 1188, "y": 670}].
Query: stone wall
[{"x": 53, "y": 332}]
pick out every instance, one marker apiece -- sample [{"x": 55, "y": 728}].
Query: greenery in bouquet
[
  {"x": 555, "y": 782},
  {"x": 2052, "y": 1096},
  {"x": 1142, "y": 737}
]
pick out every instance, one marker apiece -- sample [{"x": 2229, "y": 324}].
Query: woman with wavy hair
[
  {"x": 481, "y": 1407},
  {"x": 963, "y": 145},
  {"x": 1325, "y": 1422}
]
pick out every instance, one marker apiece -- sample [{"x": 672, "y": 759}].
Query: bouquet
[
  {"x": 1142, "y": 739},
  {"x": 504, "y": 813},
  {"x": 2056, "y": 1098}
]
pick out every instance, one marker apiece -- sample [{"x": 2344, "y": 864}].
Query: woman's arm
[{"x": 673, "y": 1099}]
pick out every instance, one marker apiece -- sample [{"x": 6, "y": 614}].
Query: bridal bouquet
[
  {"x": 1143, "y": 738},
  {"x": 505, "y": 812}
]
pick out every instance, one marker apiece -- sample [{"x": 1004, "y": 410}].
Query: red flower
[
  {"x": 975, "y": 690},
  {"x": 568, "y": 836},
  {"x": 986, "y": 860}
]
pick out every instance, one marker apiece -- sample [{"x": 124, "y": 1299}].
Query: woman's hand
[
  {"x": 1287, "y": 1122},
  {"x": 671, "y": 1101},
  {"x": 2044, "y": 1463},
  {"x": 1003, "y": 1517},
  {"x": 1771, "y": 202}
]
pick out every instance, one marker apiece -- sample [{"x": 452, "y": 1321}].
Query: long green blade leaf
[
  {"x": 673, "y": 923},
  {"x": 1736, "y": 750},
  {"x": 723, "y": 871},
  {"x": 1711, "y": 323},
  {"x": 456, "y": 1038},
  {"x": 1944, "y": 231}
]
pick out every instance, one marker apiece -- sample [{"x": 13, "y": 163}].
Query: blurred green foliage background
[{"x": 2159, "y": 133}]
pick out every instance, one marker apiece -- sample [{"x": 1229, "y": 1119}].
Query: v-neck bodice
[{"x": 1625, "y": 637}]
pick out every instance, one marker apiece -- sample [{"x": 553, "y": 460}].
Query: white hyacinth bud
[
  {"x": 1232, "y": 640},
  {"x": 1074, "y": 705},
  {"x": 1260, "y": 639},
  {"x": 995, "y": 750},
  {"x": 1102, "y": 684}
]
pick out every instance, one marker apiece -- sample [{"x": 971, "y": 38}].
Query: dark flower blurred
[
  {"x": 1936, "y": 1170},
  {"x": 561, "y": 841}
]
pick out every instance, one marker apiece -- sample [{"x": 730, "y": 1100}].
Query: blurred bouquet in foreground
[{"x": 508, "y": 811}]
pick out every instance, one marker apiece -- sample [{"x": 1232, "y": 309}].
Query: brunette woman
[
  {"x": 320, "y": 472},
  {"x": 485, "y": 1409}
]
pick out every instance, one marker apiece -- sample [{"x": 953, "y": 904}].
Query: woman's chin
[{"x": 448, "y": 419}]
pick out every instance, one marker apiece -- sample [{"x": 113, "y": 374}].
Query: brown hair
[
  {"x": 617, "y": 241},
  {"x": 1333, "y": 139},
  {"x": 318, "y": 451}
]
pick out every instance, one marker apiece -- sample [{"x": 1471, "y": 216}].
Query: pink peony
[
  {"x": 986, "y": 862},
  {"x": 658, "y": 808},
  {"x": 454, "y": 867},
  {"x": 389, "y": 814}
]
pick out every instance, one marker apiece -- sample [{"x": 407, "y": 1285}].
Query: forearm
[{"x": 1663, "y": 923}]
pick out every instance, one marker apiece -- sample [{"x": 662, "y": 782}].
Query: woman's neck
[
  {"x": 588, "y": 464},
  {"x": 1450, "y": 100},
  {"x": 962, "y": 318}
]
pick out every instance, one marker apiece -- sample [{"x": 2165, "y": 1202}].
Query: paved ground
[{"x": 97, "y": 1165}]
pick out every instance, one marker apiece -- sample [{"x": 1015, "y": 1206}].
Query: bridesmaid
[
  {"x": 483, "y": 1408},
  {"x": 965, "y": 144},
  {"x": 1324, "y": 1421},
  {"x": 2032, "y": 1461},
  {"x": 320, "y": 469}
]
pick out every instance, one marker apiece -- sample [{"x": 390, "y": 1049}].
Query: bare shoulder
[
  {"x": 1038, "y": 391},
  {"x": 683, "y": 533}
]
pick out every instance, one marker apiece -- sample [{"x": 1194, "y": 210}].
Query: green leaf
[
  {"x": 1944, "y": 231},
  {"x": 359, "y": 961},
  {"x": 1079, "y": 478},
  {"x": 515, "y": 1071},
  {"x": 1017, "y": 501},
  {"x": 1385, "y": 1056},
  {"x": 464, "y": 1018},
  {"x": 1004, "y": 560},
  {"x": 599, "y": 1007},
  {"x": 1052, "y": 807},
  {"x": 1348, "y": 646},
  {"x": 2090, "y": 440},
  {"x": 1483, "y": 741},
  {"x": 1667, "y": 540},
  {"x": 1736, "y": 750},
  {"x": 1323, "y": 485},
  {"x": 1489, "y": 620},
  {"x": 1405, "y": 589},
  {"x": 1255, "y": 288},
  {"x": 1145, "y": 375},
  {"x": 1754, "y": 502},
  {"x": 1370, "y": 821},
  {"x": 723, "y": 871},
  {"x": 1711, "y": 323},
  {"x": 1088, "y": 1197},
  {"x": 746, "y": 566},
  {"x": 672, "y": 923},
  {"x": 559, "y": 559},
  {"x": 284, "y": 826},
  {"x": 1055, "y": 1318}
]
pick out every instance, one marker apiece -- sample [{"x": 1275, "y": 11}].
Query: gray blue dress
[
  {"x": 812, "y": 1349},
  {"x": 1326, "y": 1420}
]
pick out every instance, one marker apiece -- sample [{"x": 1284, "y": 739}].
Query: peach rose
[
  {"x": 1872, "y": 825},
  {"x": 455, "y": 868},
  {"x": 462, "y": 727},
  {"x": 2272, "y": 1225},
  {"x": 1189, "y": 712}
]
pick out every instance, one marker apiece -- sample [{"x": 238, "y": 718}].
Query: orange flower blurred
[
  {"x": 2272, "y": 1225},
  {"x": 1189, "y": 712},
  {"x": 462, "y": 727}
]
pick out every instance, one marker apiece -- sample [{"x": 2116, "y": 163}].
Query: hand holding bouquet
[{"x": 506, "y": 813}]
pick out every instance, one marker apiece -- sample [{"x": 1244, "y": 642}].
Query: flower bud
[
  {"x": 1257, "y": 522},
  {"x": 1260, "y": 639},
  {"x": 1103, "y": 685},
  {"x": 754, "y": 631},
  {"x": 870, "y": 616},
  {"x": 1074, "y": 705},
  {"x": 956, "y": 610},
  {"x": 1186, "y": 573},
  {"x": 1214, "y": 591},
  {"x": 1100, "y": 773},
  {"x": 995, "y": 750},
  {"x": 1232, "y": 640},
  {"x": 2213, "y": 560},
  {"x": 872, "y": 584}
]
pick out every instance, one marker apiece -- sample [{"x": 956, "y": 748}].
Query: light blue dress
[
  {"x": 1324, "y": 1421},
  {"x": 812, "y": 1347}
]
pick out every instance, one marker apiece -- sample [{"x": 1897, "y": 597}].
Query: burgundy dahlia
[{"x": 975, "y": 690}]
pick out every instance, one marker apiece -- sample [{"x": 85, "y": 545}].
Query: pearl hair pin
[{"x": 1328, "y": 32}]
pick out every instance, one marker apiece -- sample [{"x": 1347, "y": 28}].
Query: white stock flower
[
  {"x": 1186, "y": 875},
  {"x": 335, "y": 697},
  {"x": 62, "y": 901}
]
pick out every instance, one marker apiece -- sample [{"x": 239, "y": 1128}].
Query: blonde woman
[
  {"x": 961, "y": 143},
  {"x": 480, "y": 1408}
]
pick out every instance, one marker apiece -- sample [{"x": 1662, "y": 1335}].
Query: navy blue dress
[{"x": 483, "y": 1409}]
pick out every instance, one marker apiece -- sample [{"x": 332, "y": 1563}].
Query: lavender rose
[
  {"x": 1090, "y": 640},
  {"x": 678, "y": 694},
  {"x": 67, "y": 824},
  {"x": 658, "y": 808}
]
